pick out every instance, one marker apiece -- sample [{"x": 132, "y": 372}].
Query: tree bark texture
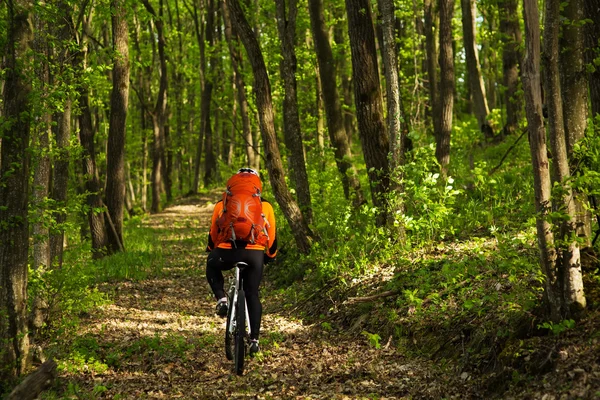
[
  {"x": 480, "y": 105},
  {"x": 262, "y": 90},
  {"x": 159, "y": 114},
  {"x": 369, "y": 104},
  {"x": 35, "y": 383},
  {"x": 252, "y": 155},
  {"x": 431, "y": 54},
  {"x": 395, "y": 117},
  {"x": 41, "y": 144},
  {"x": 286, "y": 24},
  {"x": 442, "y": 150},
  {"x": 539, "y": 156},
  {"x": 115, "y": 154},
  {"x": 592, "y": 44},
  {"x": 210, "y": 162},
  {"x": 568, "y": 256},
  {"x": 574, "y": 85},
  {"x": 340, "y": 35},
  {"x": 331, "y": 102},
  {"x": 511, "y": 56},
  {"x": 198, "y": 22},
  {"x": 60, "y": 177},
  {"x": 573, "y": 72},
  {"x": 14, "y": 179}
]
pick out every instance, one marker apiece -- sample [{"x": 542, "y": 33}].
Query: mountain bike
[{"x": 237, "y": 330}]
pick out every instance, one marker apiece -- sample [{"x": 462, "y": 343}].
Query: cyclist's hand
[{"x": 267, "y": 259}]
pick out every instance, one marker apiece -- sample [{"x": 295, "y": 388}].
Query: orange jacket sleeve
[
  {"x": 212, "y": 235},
  {"x": 271, "y": 249}
]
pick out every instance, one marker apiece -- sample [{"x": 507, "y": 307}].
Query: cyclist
[{"x": 225, "y": 253}]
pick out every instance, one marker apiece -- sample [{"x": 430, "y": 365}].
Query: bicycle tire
[
  {"x": 240, "y": 332},
  {"x": 229, "y": 343}
]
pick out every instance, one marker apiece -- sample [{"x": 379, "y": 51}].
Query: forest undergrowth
[{"x": 452, "y": 311}]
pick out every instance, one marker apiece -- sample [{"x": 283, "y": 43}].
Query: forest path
[{"x": 161, "y": 339}]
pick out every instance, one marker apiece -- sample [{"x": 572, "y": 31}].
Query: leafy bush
[{"x": 72, "y": 290}]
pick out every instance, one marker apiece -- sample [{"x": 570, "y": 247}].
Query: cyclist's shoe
[
  {"x": 253, "y": 347},
  {"x": 221, "y": 308}
]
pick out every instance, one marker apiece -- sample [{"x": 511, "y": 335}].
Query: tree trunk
[
  {"x": 442, "y": 150},
  {"x": 115, "y": 154},
  {"x": 41, "y": 147},
  {"x": 395, "y": 117},
  {"x": 262, "y": 89},
  {"x": 592, "y": 44},
  {"x": 198, "y": 23},
  {"x": 539, "y": 157},
  {"x": 35, "y": 383},
  {"x": 86, "y": 137},
  {"x": 236, "y": 64},
  {"x": 159, "y": 114},
  {"x": 14, "y": 179},
  {"x": 340, "y": 33},
  {"x": 511, "y": 55},
  {"x": 568, "y": 257},
  {"x": 210, "y": 162},
  {"x": 573, "y": 72},
  {"x": 431, "y": 54},
  {"x": 331, "y": 100},
  {"x": 368, "y": 101},
  {"x": 480, "y": 105},
  {"x": 575, "y": 98},
  {"x": 291, "y": 119}
]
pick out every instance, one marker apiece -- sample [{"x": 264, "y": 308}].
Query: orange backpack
[{"x": 242, "y": 218}]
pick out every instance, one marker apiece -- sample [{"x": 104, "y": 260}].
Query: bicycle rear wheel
[
  {"x": 240, "y": 332},
  {"x": 229, "y": 342}
]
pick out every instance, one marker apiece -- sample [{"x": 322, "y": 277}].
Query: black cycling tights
[{"x": 222, "y": 260}]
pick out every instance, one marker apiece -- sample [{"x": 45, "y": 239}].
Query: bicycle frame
[{"x": 236, "y": 285}]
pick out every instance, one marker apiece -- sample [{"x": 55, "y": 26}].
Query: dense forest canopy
[{"x": 385, "y": 124}]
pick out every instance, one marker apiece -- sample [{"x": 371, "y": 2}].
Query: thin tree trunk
[
  {"x": 511, "y": 55},
  {"x": 236, "y": 63},
  {"x": 340, "y": 35},
  {"x": 333, "y": 109},
  {"x": 575, "y": 99},
  {"x": 198, "y": 23},
  {"x": 41, "y": 145},
  {"x": 442, "y": 150},
  {"x": 159, "y": 114},
  {"x": 480, "y": 105},
  {"x": 369, "y": 104},
  {"x": 592, "y": 35},
  {"x": 115, "y": 155},
  {"x": 539, "y": 158},
  {"x": 568, "y": 256},
  {"x": 262, "y": 89},
  {"x": 14, "y": 179},
  {"x": 210, "y": 163},
  {"x": 90, "y": 168},
  {"x": 286, "y": 23},
  {"x": 431, "y": 55},
  {"x": 395, "y": 117},
  {"x": 60, "y": 176}
]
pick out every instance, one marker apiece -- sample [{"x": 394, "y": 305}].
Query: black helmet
[{"x": 247, "y": 170}]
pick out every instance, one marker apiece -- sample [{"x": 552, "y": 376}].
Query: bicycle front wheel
[
  {"x": 240, "y": 332},
  {"x": 229, "y": 342}
]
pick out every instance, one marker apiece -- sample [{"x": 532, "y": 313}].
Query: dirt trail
[{"x": 161, "y": 339}]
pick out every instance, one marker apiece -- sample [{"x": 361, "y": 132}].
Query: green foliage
[
  {"x": 373, "y": 339},
  {"x": 559, "y": 327},
  {"x": 429, "y": 211},
  {"x": 72, "y": 290}
]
